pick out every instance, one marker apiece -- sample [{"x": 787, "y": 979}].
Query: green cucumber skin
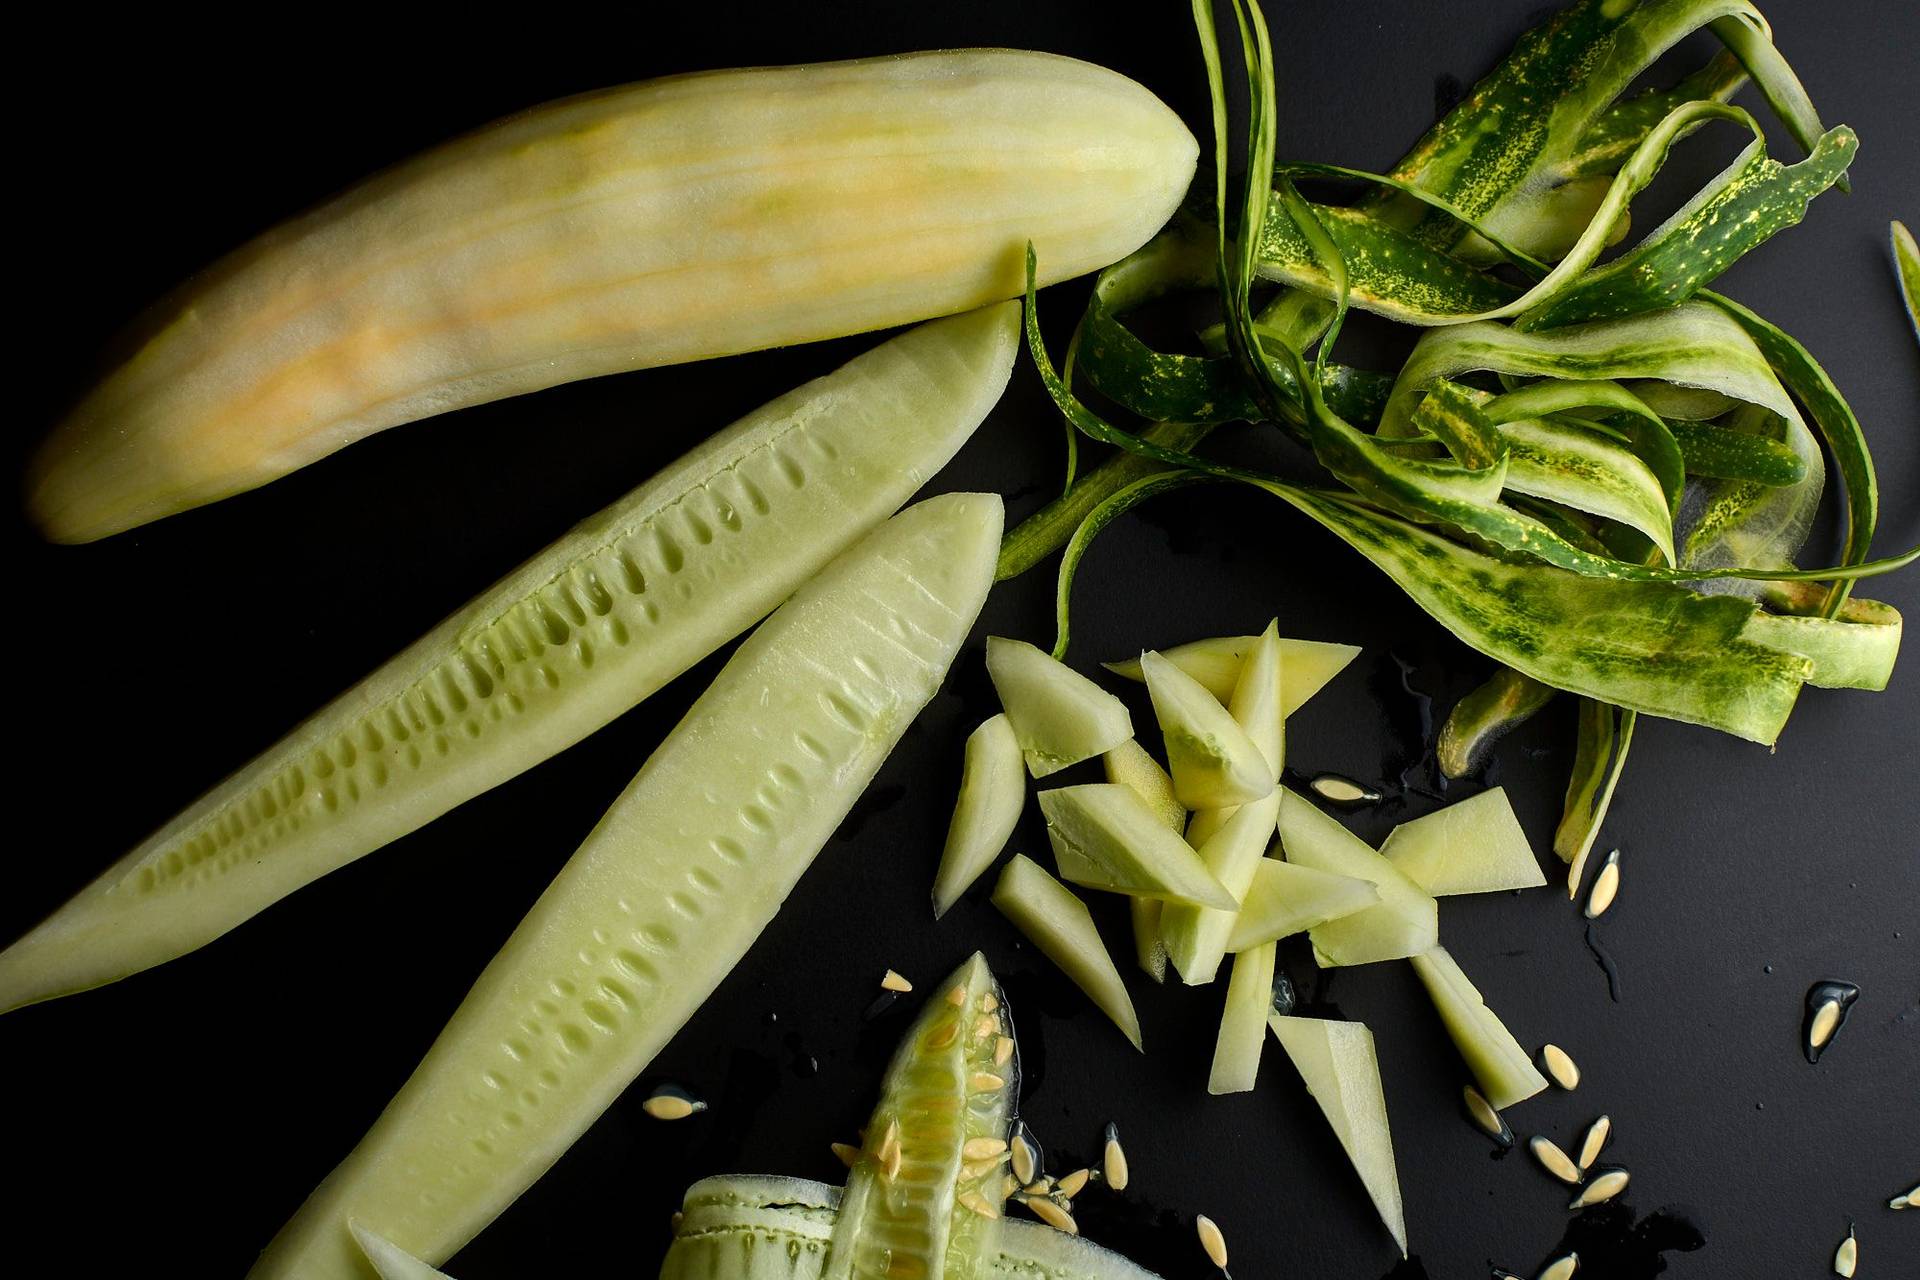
[
  {"x": 590, "y": 626},
  {"x": 670, "y": 889}
]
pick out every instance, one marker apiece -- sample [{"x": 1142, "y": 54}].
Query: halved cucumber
[
  {"x": 668, "y": 891},
  {"x": 583, "y": 631},
  {"x": 1213, "y": 762},
  {"x": 1061, "y": 926},
  {"x": 1060, "y": 716},
  {"x": 1342, "y": 1072},
  {"x": 1505, "y": 1073},
  {"x": 1474, "y": 846},
  {"x": 1406, "y": 920},
  {"x": 1105, "y": 837},
  {"x": 1243, "y": 1023},
  {"x": 993, "y": 789},
  {"x": 1286, "y": 898},
  {"x": 1307, "y": 665}
]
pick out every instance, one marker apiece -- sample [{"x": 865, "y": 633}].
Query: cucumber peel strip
[{"x": 1906, "y": 270}]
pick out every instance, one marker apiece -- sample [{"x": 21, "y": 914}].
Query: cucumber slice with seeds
[
  {"x": 1060, "y": 716},
  {"x": 910, "y": 1208},
  {"x": 1406, "y": 920},
  {"x": 1308, "y": 665},
  {"x": 1342, "y": 1072},
  {"x": 1505, "y": 1073},
  {"x": 668, "y": 891},
  {"x": 1105, "y": 837},
  {"x": 1243, "y": 1023},
  {"x": 1286, "y": 898},
  {"x": 1213, "y": 762},
  {"x": 1474, "y": 846},
  {"x": 993, "y": 789},
  {"x": 590, "y": 626},
  {"x": 1061, "y": 926}
]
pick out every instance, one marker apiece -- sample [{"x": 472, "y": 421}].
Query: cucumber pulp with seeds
[
  {"x": 1307, "y": 665},
  {"x": 1286, "y": 898},
  {"x": 1060, "y": 716},
  {"x": 668, "y": 891},
  {"x": 1105, "y": 837},
  {"x": 993, "y": 789},
  {"x": 587, "y": 628},
  {"x": 1474, "y": 846},
  {"x": 1061, "y": 926},
  {"x": 1213, "y": 762},
  {"x": 1406, "y": 920},
  {"x": 1504, "y": 1071}
]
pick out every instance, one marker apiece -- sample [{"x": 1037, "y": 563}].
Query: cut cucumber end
[
  {"x": 1503, "y": 1070},
  {"x": 1406, "y": 920},
  {"x": 1105, "y": 837},
  {"x": 1474, "y": 846},
  {"x": 1148, "y": 951},
  {"x": 993, "y": 789},
  {"x": 1286, "y": 898},
  {"x": 1214, "y": 764},
  {"x": 1307, "y": 666},
  {"x": 1061, "y": 926},
  {"x": 1059, "y": 716}
]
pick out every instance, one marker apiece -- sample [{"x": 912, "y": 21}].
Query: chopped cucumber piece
[
  {"x": 1406, "y": 920},
  {"x": 1243, "y": 1024},
  {"x": 1148, "y": 950},
  {"x": 1475, "y": 846},
  {"x": 1342, "y": 1072},
  {"x": 1307, "y": 665},
  {"x": 1196, "y": 937},
  {"x": 1105, "y": 837},
  {"x": 668, "y": 891},
  {"x": 902, "y": 1212},
  {"x": 993, "y": 789},
  {"x": 1062, "y": 927},
  {"x": 1059, "y": 715},
  {"x": 389, "y": 1259},
  {"x": 1505, "y": 1073},
  {"x": 1213, "y": 762},
  {"x": 593, "y": 624},
  {"x": 1131, "y": 766},
  {"x": 1286, "y": 898}
]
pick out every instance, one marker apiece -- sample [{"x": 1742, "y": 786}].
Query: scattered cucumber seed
[
  {"x": 1562, "y": 1268},
  {"x": 671, "y": 1102},
  {"x": 979, "y": 1204},
  {"x": 1485, "y": 1118},
  {"x": 1051, "y": 1214},
  {"x": 1847, "y": 1257},
  {"x": 1600, "y": 1189},
  {"x": 1911, "y": 1200},
  {"x": 1554, "y": 1160},
  {"x": 1606, "y": 886},
  {"x": 1596, "y": 1140},
  {"x": 1074, "y": 1183},
  {"x": 1026, "y": 1161},
  {"x": 1343, "y": 790},
  {"x": 1560, "y": 1067},
  {"x": 1114, "y": 1160},
  {"x": 1828, "y": 1003},
  {"x": 892, "y": 981},
  {"x": 1212, "y": 1240},
  {"x": 848, "y": 1154}
]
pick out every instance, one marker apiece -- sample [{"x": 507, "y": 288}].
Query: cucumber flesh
[
  {"x": 1213, "y": 762},
  {"x": 1196, "y": 937},
  {"x": 668, "y": 891},
  {"x": 1342, "y": 1072},
  {"x": 1243, "y": 1023},
  {"x": 1130, "y": 765},
  {"x": 1502, "y": 1069},
  {"x": 1060, "y": 716},
  {"x": 1474, "y": 846},
  {"x": 1406, "y": 920},
  {"x": 1215, "y": 663},
  {"x": 1151, "y": 953},
  {"x": 1105, "y": 837},
  {"x": 590, "y": 626},
  {"x": 1258, "y": 696},
  {"x": 1061, "y": 926},
  {"x": 389, "y": 1259},
  {"x": 993, "y": 789},
  {"x": 900, "y": 1214},
  {"x": 1286, "y": 898}
]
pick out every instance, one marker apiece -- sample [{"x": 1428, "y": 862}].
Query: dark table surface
[{"x": 174, "y": 1120}]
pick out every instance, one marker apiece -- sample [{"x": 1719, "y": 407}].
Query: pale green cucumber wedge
[
  {"x": 1130, "y": 765},
  {"x": 1196, "y": 937},
  {"x": 1307, "y": 665},
  {"x": 665, "y": 895},
  {"x": 1286, "y": 898},
  {"x": 1061, "y": 926},
  {"x": 1342, "y": 1072},
  {"x": 1475, "y": 846},
  {"x": 1060, "y": 716},
  {"x": 583, "y": 631},
  {"x": 1503, "y": 1070},
  {"x": 1243, "y": 1023},
  {"x": 1148, "y": 951},
  {"x": 993, "y": 789},
  {"x": 902, "y": 1213},
  {"x": 1406, "y": 920},
  {"x": 389, "y": 1259},
  {"x": 1213, "y": 762},
  {"x": 1258, "y": 701},
  {"x": 1105, "y": 837}
]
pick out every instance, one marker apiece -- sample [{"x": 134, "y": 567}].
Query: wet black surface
[{"x": 176, "y": 1119}]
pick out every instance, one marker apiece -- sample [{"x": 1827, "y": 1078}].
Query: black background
[{"x": 174, "y": 1120}]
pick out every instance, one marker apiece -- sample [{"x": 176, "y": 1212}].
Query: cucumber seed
[
  {"x": 1071, "y": 1185},
  {"x": 1212, "y": 1241},
  {"x": 671, "y": 1102},
  {"x": 982, "y": 1148},
  {"x": 1562, "y": 1268},
  {"x": 1026, "y": 1161},
  {"x": 957, "y": 997},
  {"x": 1847, "y": 1257},
  {"x": 1597, "y": 1135},
  {"x": 1485, "y": 1118},
  {"x": 979, "y": 1204},
  {"x": 1554, "y": 1160},
  {"x": 1003, "y": 1051},
  {"x": 1602, "y": 1188},
  {"x": 891, "y": 981},
  {"x": 985, "y": 1082},
  {"x": 849, "y": 1155},
  {"x": 1560, "y": 1066},
  {"x": 1606, "y": 887},
  {"x": 1331, "y": 786},
  {"x": 1052, "y": 1214},
  {"x": 1114, "y": 1160},
  {"x": 1829, "y": 1001}
]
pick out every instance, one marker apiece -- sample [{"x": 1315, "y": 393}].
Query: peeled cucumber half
[
  {"x": 590, "y": 626},
  {"x": 664, "y": 896}
]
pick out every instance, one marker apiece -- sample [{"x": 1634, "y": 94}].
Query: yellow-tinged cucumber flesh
[
  {"x": 993, "y": 789},
  {"x": 1058, "y": 923},
  {"x": 1286, "y": 898},
  {"x": 1342, "y": 1072},
  {"x": 1243, "y": 1022},
  {"x": 1503, "y": 1069},
  {"x": 1060, "y": 716},
  {"x": 1474, "y": 846},
  {"x": 1406, "y": 920},
  {"x": 1213, "y": 762},
  {"x": 1105, "y": 837},
  {"x": 1307, "y": 665}
]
